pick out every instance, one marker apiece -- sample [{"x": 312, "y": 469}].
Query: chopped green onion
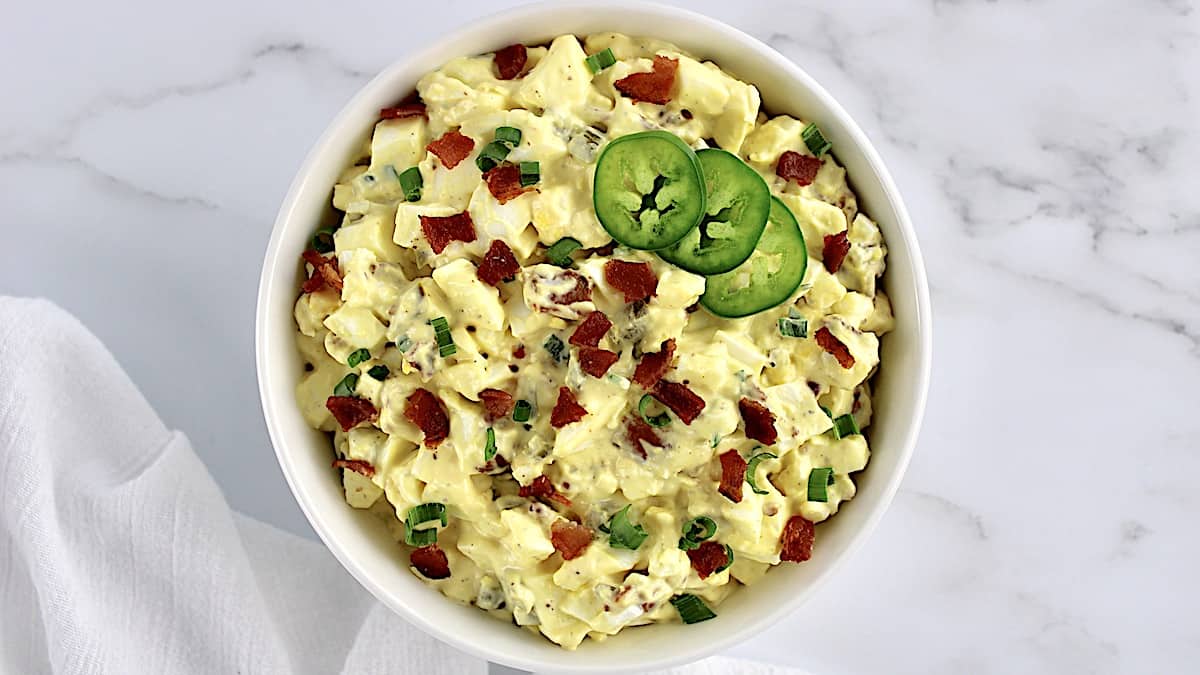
[
  {"x": 793, "y": 328},
  {"x": 692, "y": 609},
  {"x": 752, "y": 468},
  {"x": 818, "y": 480},
  {"x": 557, "y": 349},
  {"x": 411, "y": 182},
  {"x": 420, "y": 537},
  {"x": 531, "y": 173},
  {"x": 660, "y": 420},
  {"x": 728, "y": 560},
  {"x": 623, "y": 533},
  {"x": 560, "y": 251},
  {"x": 844, "y": 426},
  {"x": 695, "y": 531},
  {"x": 815, "y": 140},
  {"x": 404, "y": 343},
  {"x": 346, "y": 386},
  {"x": 445, "y": 340},
  {"x": 716, "y": 440},
  {"x": 510, "y": 136},
  {"x": 489, "y": 448},
  {"x": 521, "y": 411},
  {"x": 322, "y": 241},
  {"x": 600, "y": 60},
  {"x": 379, "y": 372},
  {"x": 358, "y": 356},
  {"x": 492, "y": 154},
  {"x": 419, "y": 515}
]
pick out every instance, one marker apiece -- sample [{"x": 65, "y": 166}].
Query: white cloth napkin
[{"x": 118, "y": 553}]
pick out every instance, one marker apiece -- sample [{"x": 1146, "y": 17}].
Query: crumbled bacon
[
  {"x": 510, "y": 61},
  {"x": 639, "y": 432},
  {"x": 498, "y": 264},
  {"x": 325, "y": 272},
  {"x": 800, "y": 168},
  {"x": 680, "y": 399},
  {"x": 733, "y": 474},
  {"x": 441, "y": 230},
  {"x": 653, "y": 366},
  {"x": 635, "y": 280},
  {"x": 430, "y": 561},
  {"x": 519, "y": 352},
  {"x": 708, "y": 558},
  {"x": 496, "y": 404},
  {"x": 834, "y": 346},
  {"x": 836, "y": 248},
  {"x": 654, "y": 86},
  {"x": 403, "y": 110},
  {"x": 569, "y": 539},
  {"x": 425, "y": 410},
  {"x": 351, "y": 411},
  {"x": 797, "y": 540},
  {"x": 595, "y": 361},
  {"x": 566, "y": 409},
  {"x": 359, "y": 466},
  {"x": 593, "y": 327},
  {"x": 504, "y": 182},
  {"x": 759, "y": 421},
  {"x": 542, "y": 488},
  {"x": 452, "y": 148}
]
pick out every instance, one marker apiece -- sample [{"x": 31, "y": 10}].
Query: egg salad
[{"x": 594, "y": 334}]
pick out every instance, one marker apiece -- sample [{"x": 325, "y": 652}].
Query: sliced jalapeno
[
  {"x": 736, "y": 210},
  {"x": 649, "y": 190},
  {"x": 769, "y": 276}
]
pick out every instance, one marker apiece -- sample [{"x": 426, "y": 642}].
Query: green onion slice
[
  {"x": 404, "y": 343},
  {"x": 600, "y": 60},
  {"x": 445, "y": 340},
  {"x": 411, "y": 182},
  {"x": 492, "y": 154},
  {"x": 818, "y": 481},
  {"x": 531, "y": 173},
  {"x": 358, "y": 356},
  {"x": 510, "y": 136},
  {"x": 558, "y": 350},
  {"x": 728, "y": 560},
  {"x": 793, "y": 328},
  {"x": 815, "y": 140},
  {"x": 347, "y": 386},
  {"x": 379, "y": 372},
  {"x": 521, "y": 411},
  {"x": 322, "y": 241},
  {"x": 660, "y": 420},
  {"x": 624, "y": 534},
  {"x": 844, "y": 426},
  {"x": 489, "y": 448},
  {"x": 560, "y": 251},
  {"x": 692, "y": 609},
  {"x": 752, "y": 468},
  {"x": 697, "y": 530},
  {"x": 419, "y": 515}
]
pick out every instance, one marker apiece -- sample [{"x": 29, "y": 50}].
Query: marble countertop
[{"x": 1048, "y": 152}]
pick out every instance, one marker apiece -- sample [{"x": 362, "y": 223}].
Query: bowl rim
[{"x": 270, "y": 276}]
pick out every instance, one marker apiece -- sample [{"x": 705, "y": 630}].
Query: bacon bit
[
  {"x": 424, "y": 409},
  {"x": 441, "y": 230},
  {"x": 589, "y": 332},
  {"x": 452, "y": 148},
  {"x": 759, "y": 421},
  {"x": 498, "y": 264},
  {"x": 510, "y": 61},
  {"x": 504, "y": 182},
  {"x": 836, "y": 248},
  {"x": 708, "y": 558},
  {"x": 542, "y": 488},
  {"x": 580, "y": 292},
  {"x": 496, "y": 403},
  {"x": 351, "y": 411},
  {"x": 325, "y": 272},
  {"x": 653, "y": 366},
  {"x": 733, "y": 474},
  {"x": 606, "y": 250},
  {"x": 404, "y": 110},
  {"x": 800, "y": 168},
  {"x": 814, "y": 387},
  {"x": 519, "y": 352},
  {"x": 566, "y": 409},
  {"x": 652, "y": 87},
  {"x": 680, "y": 399},
  {"x": 639, "y": 432},
  {"x": 857, "y": 403},
  {"x": 430, "y": 561},
  {"x": 835, "y": 347},
  {"x": 359, "y": 466},
  {"x": 635, "y": 280},
  {"x": 797, "y": 540},
  {"x": 569, "y": 539},
  {"x": 595, "y": 361}
]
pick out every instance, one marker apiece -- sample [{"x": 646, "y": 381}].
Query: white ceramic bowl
[{"x": 360, "y": 542}]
